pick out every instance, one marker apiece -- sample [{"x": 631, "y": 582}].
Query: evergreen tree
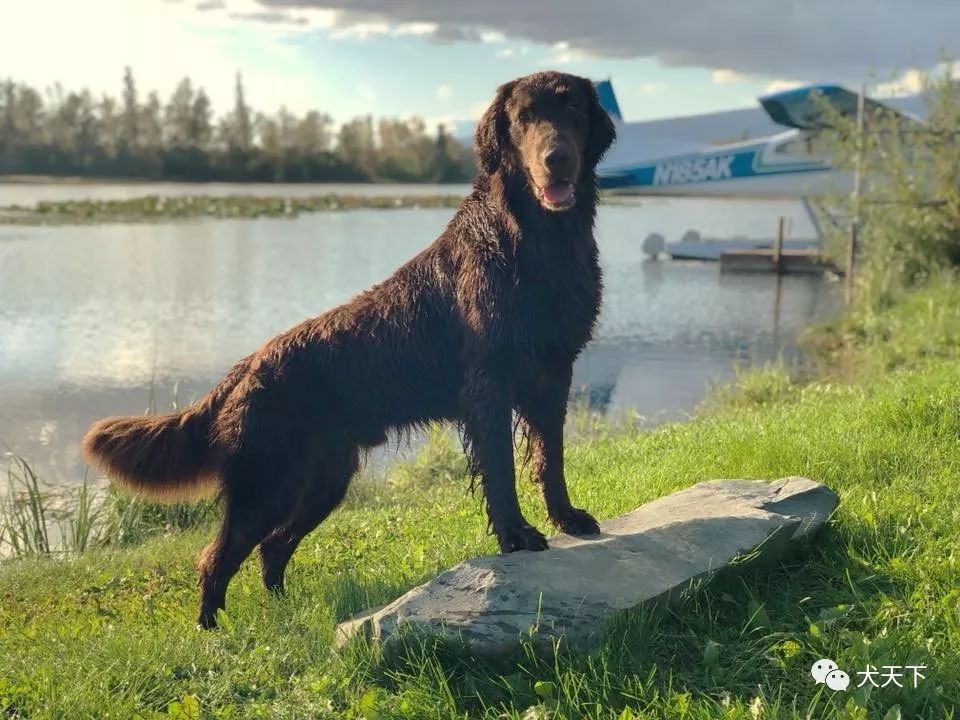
[
  {"x": 243, "y": 128},
  {"x": 129, "y": 140},
  {"x": 178, "y": 117},
  {"x": 7, "y": 139},
  {"x": 356, "y": 146}
]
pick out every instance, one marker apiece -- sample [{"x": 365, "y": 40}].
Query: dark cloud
[
  {"x": 210, "y": 5},
  {"x": 795, "y": 38}
]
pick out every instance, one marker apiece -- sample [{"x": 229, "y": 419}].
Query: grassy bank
[
  {"x": 111, "y": 632},
  {"x": 155, "y": 208}
]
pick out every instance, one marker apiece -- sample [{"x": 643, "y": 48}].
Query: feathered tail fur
[{"x": 166, "y": 458}]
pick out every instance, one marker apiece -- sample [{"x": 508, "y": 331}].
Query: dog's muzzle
[{"x": 557, "y": 196}]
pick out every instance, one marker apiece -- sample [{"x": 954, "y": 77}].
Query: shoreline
[
  {"x": 159, "y": 208},
  {"x": 19, "y": 179}
]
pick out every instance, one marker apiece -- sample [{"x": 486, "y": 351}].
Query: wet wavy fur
[{"x": 166, "y": 458}]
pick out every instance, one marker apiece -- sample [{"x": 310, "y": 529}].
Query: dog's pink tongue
[{"x": 558, "y": 193}]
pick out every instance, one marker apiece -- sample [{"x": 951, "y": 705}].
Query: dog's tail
[{"x": 164, "y": 458}]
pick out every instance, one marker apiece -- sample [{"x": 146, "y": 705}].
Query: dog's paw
[
  {"x": 523, "y": 537},
  {"x": 206, "y": 622},
  {"x": 578, "y": 522}
]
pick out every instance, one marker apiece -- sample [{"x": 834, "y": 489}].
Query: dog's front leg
[
  {"x": 487, "y": 412},
  {"x": 543, "y": 407}
]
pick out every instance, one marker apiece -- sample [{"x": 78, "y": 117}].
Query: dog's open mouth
[{"x": 557, "y": 195}]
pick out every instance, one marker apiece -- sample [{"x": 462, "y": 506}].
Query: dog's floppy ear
[
  {"x": 491, "y": 138},
  {"x": 602, "y": 131}
]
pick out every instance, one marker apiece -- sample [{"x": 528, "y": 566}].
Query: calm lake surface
[{"x": 105, "y": 319}]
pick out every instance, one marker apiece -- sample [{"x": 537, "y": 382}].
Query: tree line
[{"x": 76, "y": 133}]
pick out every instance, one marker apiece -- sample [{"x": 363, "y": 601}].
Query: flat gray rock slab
[{"x": 572, "y": 590}]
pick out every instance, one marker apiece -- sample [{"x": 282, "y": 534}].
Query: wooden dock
[
  {"x": 776, "y": 259},
  {"x": 767, "y": 260}
]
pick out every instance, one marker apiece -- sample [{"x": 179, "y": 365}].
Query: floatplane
[{"x": 774, "y": 151}]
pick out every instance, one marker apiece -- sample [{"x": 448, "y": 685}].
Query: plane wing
[{"x": 802, "y": 107}]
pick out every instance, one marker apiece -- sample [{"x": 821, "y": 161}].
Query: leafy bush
[{"x": 910, "y": 196}]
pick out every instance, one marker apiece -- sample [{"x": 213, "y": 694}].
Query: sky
[{"x": 442, "y": 59}]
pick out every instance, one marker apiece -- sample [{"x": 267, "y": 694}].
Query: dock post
[
  {"x": 853, "y": 238},
  {"x": 778, "y": 248}
]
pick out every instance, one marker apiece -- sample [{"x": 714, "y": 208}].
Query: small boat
[{"x": 694, "y": 247}]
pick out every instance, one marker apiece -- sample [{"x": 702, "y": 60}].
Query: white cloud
[
  {"x": 907, "y": 84},
  {"x": 506, "y": 52},
  {"x": 443, "y": 91},
  {"x": 912, "y": 81},
  {"x": 779, "y": 85},
  {"x": 492, "y": 36},
  {"x": 724, "y": 76},
  {"x": 652, "y": 88},
  {"x": 564, "y": 54},
  {"x": 731, "y": 77},
  {"x": 375, "y": 29},
  {"x": 416, "y": 28},
  {"x": 361, "y": 31},
  {"x": 220, "y": 13}
]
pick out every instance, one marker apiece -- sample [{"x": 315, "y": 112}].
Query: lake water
[{"x": 97, "y": 320}]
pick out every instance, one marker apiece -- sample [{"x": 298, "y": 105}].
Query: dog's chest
[{"x": 556, "y": 306}]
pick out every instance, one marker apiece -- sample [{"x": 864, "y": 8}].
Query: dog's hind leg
[
  {"x": 247, "y": 519},
  {"x": 326, "y": 491}
]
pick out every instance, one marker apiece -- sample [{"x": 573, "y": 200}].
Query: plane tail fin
[{"x": 608, "y": 100}]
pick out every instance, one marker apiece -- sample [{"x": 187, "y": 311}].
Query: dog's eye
[{"x": 525, "y": 116}]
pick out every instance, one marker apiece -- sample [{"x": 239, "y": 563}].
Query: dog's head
[{"x": 549, "y": 126}]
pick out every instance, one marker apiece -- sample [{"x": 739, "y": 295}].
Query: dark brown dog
[{"x": 486, "y": 321}]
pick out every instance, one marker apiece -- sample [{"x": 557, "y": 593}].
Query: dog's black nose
[{"x": 556, "y": 158}]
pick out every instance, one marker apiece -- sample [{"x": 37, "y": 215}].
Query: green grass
[
  {"x": 110, "y": 633},
  {"x": 902, "y": 333},
  {"x": 38, "y": 521}
]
